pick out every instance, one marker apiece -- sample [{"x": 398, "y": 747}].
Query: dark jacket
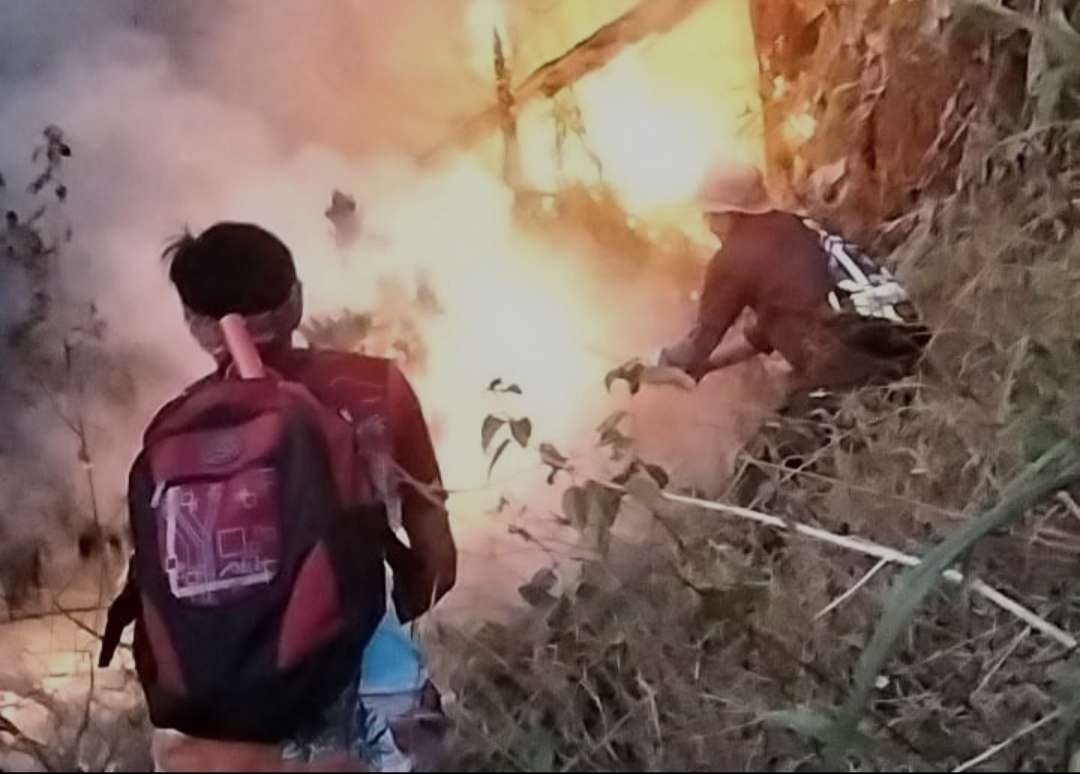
[
  {"x": 773, "y": 264},
  {"x": 376, "y": 395},
  {"x": 371, "y": 387}
]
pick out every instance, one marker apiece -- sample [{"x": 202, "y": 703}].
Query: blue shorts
[{"x": 390, "y": 686}]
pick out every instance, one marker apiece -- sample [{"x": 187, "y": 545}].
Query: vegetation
[
  {"x": 729, "y": 644},
  {"x": 772, "y": 630}
]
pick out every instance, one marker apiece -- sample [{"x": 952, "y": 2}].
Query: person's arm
[
  {"x": 432, "y": 556},
  {"x": 723, "y": 299},
  {"x": 732, "y": 353}
]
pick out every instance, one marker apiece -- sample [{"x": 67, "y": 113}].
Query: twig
[
  {"x": 1066, "y": 498},
  {"x": 991, "y": 752},
  {"x": 84, "y": 725},
  {"x": 758, "y": 634},
  {"x": 874, "y": 549},
  {"x": 1002, "y": 659},
  {"x": 82, "y": 626},
  {"x": 949, "y": 512},
  {"x": 969, "y": 642},
  {"x": 646, "y": 18},
  {"x": 58, "y": 613},
  {"x": 26, "y": 744},
  {"x": 850, "y": 592},
  {"x": 603, "y": 741}
]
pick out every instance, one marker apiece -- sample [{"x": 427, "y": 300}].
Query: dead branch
[
  {"x": 504, "y": 96},
  {"x": 57, "y": 613},
  {"x": 883, "y": 552},
  {"x": 649, "y": 17},
  {"x": 26, "y": 744},
  {"x": 992, "y": 751},
  {"x": 860, "y": 545}
]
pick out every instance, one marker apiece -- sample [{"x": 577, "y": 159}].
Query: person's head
[
  {"x": 730, "y": 192},
  {"x": 721, "y": 223},
  {"x": 235, "y": 268}
]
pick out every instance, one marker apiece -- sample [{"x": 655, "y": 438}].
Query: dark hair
[{"x": 230, "y": 267}]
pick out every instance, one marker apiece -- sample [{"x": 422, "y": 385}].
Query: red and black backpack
[{"x": 258, "y": 572}]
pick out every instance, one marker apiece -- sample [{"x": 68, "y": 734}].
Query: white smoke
[{"x": 186, "y": 114}]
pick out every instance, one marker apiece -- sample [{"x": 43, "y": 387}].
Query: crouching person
[
  {"x": 265, "y": 506},
  {"x": 792, "y": 277}
]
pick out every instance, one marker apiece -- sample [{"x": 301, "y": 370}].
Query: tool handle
[{"x": 245, "y": 355}]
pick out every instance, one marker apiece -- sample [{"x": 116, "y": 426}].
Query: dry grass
[
  {"x": 671, "y": 657},
  {"x": 675, "y": 654}
]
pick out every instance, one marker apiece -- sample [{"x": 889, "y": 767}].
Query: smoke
[{"x": 186, "y": 114}]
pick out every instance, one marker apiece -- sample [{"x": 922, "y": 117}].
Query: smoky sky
[
  {"x": 185, "y": 113},
  {"x": 356, "y": 76},
  {"x": 179, "y": 114}
]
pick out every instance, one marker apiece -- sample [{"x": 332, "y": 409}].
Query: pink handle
[{"x": 238, "y": 341}]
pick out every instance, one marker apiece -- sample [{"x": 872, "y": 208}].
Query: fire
[
  {"x": 651, "y": 121},
  {"x": 512, "y": 305},
  {"x": 648, "y": 124},
  {"x": 526, "y": 309}
]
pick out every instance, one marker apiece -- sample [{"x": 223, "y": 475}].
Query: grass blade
[{"x": 1052, "y": 471}]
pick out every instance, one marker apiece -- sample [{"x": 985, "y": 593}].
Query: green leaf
[
  {"x": 822, "y": 726},
  {"x": 592, "y": 509},
  {"x": 521, "y": 429},
  {"x": 630, "y": 372},
  {"x": 575, "y": 506},
  {"x": 487, "y": 432},
  {"x": 1054, "y": 470},
  {"x": 537, "y": 592},
  {"x": 645, "y": 489},
  {"x": 611, "y": 422},
  {"x": 658, "y": 474},
  {"x": 540, "y": 751},
  {"x": 606, "y": 501},
  {"x": 551, "y": 457},
  {"x": 560, "y": 616},
  {"x": 1062, "y": 37},
  {"x": 613, "y": 437},
  {"x": 640, "y": 467},
  {"x": 496, "y": 386},
  {"x": 498, "y": 453},
  {"x": 1048, "y": 91}
]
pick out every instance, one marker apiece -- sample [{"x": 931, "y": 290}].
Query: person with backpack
[
  {"x": 790, "y": 274},
  {"x": 265, "y": 504}
]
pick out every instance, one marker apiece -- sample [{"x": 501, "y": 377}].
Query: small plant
[{"x": 519, "y": 429}]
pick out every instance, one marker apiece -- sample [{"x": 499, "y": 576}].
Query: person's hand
[
  {"x": 678, "y": 356},
  {"x": 728, "y": 354},
  {"x": 668, "y": 375},
  {"x": 411, "y": 598}
]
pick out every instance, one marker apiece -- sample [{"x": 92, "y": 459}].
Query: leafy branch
[{"x": 519, "y": 428}]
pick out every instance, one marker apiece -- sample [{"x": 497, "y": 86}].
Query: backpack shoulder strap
[
  {"x": 123, "y": 612},
  {"x": 173, "y": 404}
]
